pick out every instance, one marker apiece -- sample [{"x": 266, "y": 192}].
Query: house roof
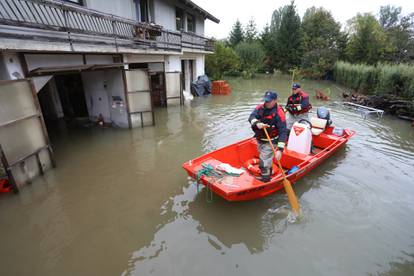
[{"x": 196, "y": 7}]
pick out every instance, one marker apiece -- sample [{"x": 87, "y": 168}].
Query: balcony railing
[
  {"x": 194, "y": 41},
  {"x": 58, "y": 21}
]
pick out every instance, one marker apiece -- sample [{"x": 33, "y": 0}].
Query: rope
[{"x": 208, "y": 171}]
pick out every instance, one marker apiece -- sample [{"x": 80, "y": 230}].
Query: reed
[{"x": 382, "y": 79}]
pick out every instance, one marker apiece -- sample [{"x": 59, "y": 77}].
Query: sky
[{"x": 228, "y": 11}]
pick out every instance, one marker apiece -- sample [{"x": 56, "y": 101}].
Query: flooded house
[{"x": 99, "y": 60}]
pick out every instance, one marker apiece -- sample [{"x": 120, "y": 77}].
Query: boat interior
[{"x": 306, "y": 142}]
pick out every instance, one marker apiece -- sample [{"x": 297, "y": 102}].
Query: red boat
[{"x": 243, "y": 154}]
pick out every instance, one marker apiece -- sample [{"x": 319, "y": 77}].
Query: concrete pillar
[{"x": 199, "y": 65}]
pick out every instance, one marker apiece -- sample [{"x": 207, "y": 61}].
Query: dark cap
[
  {"x": 295, "y": 86},
  {"x": 270, "y": 96}
]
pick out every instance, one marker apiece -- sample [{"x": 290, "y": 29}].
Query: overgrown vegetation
[
  {"x": 381, "y": 79},
  {"x": 223, "y": 60}
]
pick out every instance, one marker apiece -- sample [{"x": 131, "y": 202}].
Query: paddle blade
[{"x": 291, "y": 196}]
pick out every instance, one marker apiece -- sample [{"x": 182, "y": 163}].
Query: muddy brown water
[{"x": 119, "y": 202}]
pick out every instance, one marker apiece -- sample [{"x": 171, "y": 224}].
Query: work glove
[
  {"x": 261, "y": 125},
  {"x": 278, "y": 155}
]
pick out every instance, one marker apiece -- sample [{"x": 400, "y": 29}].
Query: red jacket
[
  {"x": 275, "y": 118},
  {"x": 298, "y": 103}
]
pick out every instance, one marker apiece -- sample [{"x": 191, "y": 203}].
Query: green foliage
[
  {"x": 288, "y": 46},
  {"x": 277, "y": 19},
  {"x": 236, "y": 34},
  {"x": 367, "y": 43},
  {"x": 322, "y": 40},
  {"x": 383, "y": 79},
  {"x": 267, "y": 40},
  {"x": 251, "y": 56},
  {"x": 399, "y": 34},
  {"x": 251, "y": 31},
  {"x": 389, "y": 16},
  {"x": 223, "y": 60}
]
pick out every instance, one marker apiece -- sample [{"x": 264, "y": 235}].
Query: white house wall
[
  {"x": 100, "y": 87},
  {"x": 172, "y": 64},
  {"x": 164, "y": 13},
  {"x": 199, "y": 65},
  {"x": 200, "y": 25},
  {"x": 96, "y": 95},
  {"x": 123, "y": 8},
  {"x": 115, "y": 88}
]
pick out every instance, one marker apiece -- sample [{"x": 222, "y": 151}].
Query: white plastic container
[
  {"x": 338, "y": 131},
  {"x": 300, "y": 138}
]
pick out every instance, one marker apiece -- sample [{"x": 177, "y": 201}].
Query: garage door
[
  {"x": 139, "y": 98},
  {"x": 25, "y": 149}
]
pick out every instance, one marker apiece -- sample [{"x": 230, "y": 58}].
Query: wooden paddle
[{"x": 286, "y": 183}]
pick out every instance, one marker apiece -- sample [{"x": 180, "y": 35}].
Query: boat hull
[{"x": 246, "y": 186}]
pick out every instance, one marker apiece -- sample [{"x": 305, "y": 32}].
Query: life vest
[
  {"x": 252, "y": 165},
  {"x": 267, "y": 116},
  {"x": 296, "y": 99}
]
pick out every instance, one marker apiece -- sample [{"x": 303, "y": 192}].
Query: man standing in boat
[
  {"x": 268, "y": 115},
  {"x": 298, "y": 106}
]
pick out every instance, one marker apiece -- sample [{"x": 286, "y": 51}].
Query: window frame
[
  {"x": 193, "y": 18},
  {"x": 179, "y": 11}
]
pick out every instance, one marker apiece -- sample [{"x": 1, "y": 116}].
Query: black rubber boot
[{"x": 266, "y": 173}]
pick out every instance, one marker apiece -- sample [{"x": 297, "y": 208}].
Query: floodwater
[{"x": 119, "y": 202}]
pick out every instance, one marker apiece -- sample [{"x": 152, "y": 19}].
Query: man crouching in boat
[{"x": 270, "y": 115}]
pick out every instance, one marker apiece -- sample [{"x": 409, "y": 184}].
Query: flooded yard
[{"x": 119, "y": 202}]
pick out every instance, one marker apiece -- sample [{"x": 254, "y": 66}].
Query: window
[
  {"x": 179, "y": 19},
  {"x": 141, "y": 7},
  {"x": 191, "y": 23}
]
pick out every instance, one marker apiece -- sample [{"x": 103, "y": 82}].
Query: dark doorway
[
  {"x": 72, "y": 95},
  {"x": 48, "y": 102},
  {"x": 191, "y": 69},
  {"x": 158, "y": 94}
]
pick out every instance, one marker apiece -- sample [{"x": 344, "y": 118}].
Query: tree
[
  {"x": 276, "y": 19},
  {"x": 288, "y": 48},
  {"x": 251, "y": 56},
  {"x": 389, "y": 16},
  {"x": 367, "y": 40},
  {"x": 267, "y": 40},
  {"x": 223, "y": 59},
  {"x": 251, "y": 31},
  {"x": 399, "y": 33},
  {"x": 322, "y": 40},
  {"x": 236, "y": 34}
]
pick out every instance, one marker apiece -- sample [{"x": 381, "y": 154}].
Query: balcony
[
  {"x": 196, "y": 42},
  {"x": 74, "y": 28}
]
